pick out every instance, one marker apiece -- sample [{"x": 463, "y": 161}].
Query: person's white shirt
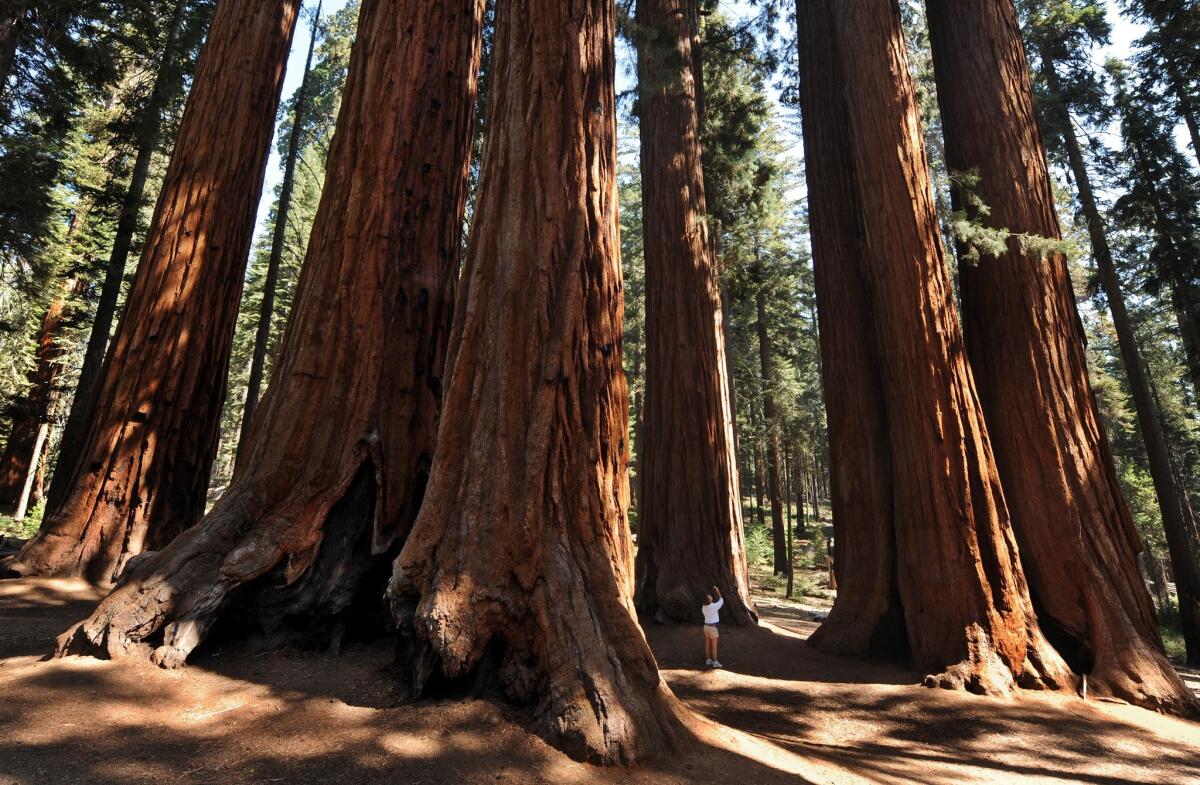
[{"x": 712, "y": 611}]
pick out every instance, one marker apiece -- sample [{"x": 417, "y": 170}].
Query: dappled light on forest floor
[{"x": 239, "y": 714}]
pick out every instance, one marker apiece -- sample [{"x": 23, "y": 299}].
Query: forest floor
[{"x": 236, "y": 717}]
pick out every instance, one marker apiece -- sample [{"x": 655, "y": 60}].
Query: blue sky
[{"x": 1124, "y": 34}]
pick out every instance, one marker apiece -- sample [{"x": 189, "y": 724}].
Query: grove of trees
[{"x": 565, "y": 314}]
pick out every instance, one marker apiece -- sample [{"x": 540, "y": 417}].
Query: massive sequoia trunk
[
  {"x": 340, "y": 450},
  {"x": 689, "y": 512},
  {"x": 266, "y": 312},
  {"x": 1178, "y": 517},
  {"x": 32, "y": 413},
  {"x": 1077, "y": 540},
  {"x": 866, "y": 617},
  {"x": 966, "y": 606},
  {"x": 166, "y": 83},
  {"x": 142, "y": 471},
  {"x": 520, "y": 564}
]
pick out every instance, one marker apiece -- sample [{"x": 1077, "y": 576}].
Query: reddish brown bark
[
  {"x": 866, "y": 617},
  {"x": 520, "y": 563},
  {"x": 779, "y": 536},
  {"x": 1024, "y": 339},
  {"x": 339, "y": 451},
  {"x": 1178, "y": 517},
  {"x": 967, "y": 611},
  {"x": 33, "y": 411},
  {"x": 689, "y": 515},
  {"x": 142, "y": 473}
]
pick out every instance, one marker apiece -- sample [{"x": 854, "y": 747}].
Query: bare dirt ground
[{"x": 236, "y": 716}]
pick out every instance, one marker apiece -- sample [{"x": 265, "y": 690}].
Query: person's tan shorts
[{"x": 711, "y": 632}]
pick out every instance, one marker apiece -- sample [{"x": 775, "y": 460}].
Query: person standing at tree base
[{"x": 712, "y": 621}]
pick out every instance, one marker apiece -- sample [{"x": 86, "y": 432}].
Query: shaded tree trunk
[
  {"x": 166, "y": 84},
  {"x": 1179, "y": 522},
  {"x": 266, "y": 311},
  {"x": 20, "y": 459},
  {"x": 867, "y": 617},
  {"x": 520, "y": 564},
  {"x": 10, "y": 36},
  {"x": 689, "y": 515},
  {"x": 1078, "y": 542},
  {"x": 340, "y": 450},
  {"x": 1183, "y": 96},
  {"x": 142, "y": 471},
  {"x": 968, "y": 615},
  {"x": 770, "y": 425}
]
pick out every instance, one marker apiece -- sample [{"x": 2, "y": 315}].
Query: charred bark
[
  {"x": 1078, "y": 543},
  {"x": 1179, "y": 521},
  {"x": 142, "y": 472},
  {"x": 689, "y": 514},
  {"x": 166, "y": 84},
  {"x": 340, "y": 450},
  {"x": 968, "y": 615},
  {"x": 520, "y": 561}
]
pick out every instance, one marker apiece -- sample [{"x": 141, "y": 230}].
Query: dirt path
[{"x": 287, "y": 717}]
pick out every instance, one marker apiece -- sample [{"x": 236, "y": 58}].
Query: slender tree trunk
[
  {"x": 968, "y": 614},
  {"x": 18, "y": 460},
  {"x": 1178, "y": 517},
  {"x": 39, "y": 444},
  {"x": 867, "y": 617},
  {"x": 267, "y": 309},
  {"x": 11, "y": 19},
  {"x": 520, "y": 564},
  {"x": 760, "y": 504},
  {"x": 690, "y": 520},
  {"x": 166, "y": 84},
  {"x": 787, "y": 477},
  {"x": 342, "y": 444},
  {"x": 1183, "y": 96},
  {"x": 1078, "y": 542},
  {"x": 143, "y": 467},
  {"x": 770, "y": 426}
]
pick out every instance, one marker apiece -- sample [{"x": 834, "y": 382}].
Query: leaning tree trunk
[
  {"x": 770, "y": 423},
  {"x": 20, "y": 458},
  {"x": 266, "y": 312},
  {"x": 1178, "y": 518},
  {"x": 1078, "y": 542},
  {"x": 866, "y": 617},
  {"x": 340, "y": 450},
  {"x": 10, "y": 36},
  {"x": 519, "y": 567},
  {"x": 142, "y": 471},
  {"x": 689, "y": 513},
  {"x": 166, "y": 83},
  {"x": 966, "y": 603}
]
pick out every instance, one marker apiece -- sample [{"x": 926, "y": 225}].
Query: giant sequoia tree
[
  {"x": 520, "y": 563},
  {"x": 689, "y": 511},
  {"x": 968, "y": 616},
  {"x": 1078, "y": 543},
  {"x": 142, "y": 471},
  {"x": 341, "y": 445}
]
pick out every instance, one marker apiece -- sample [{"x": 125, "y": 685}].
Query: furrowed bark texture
[
  {"x": 166, "y": 84},
  {"x": 1078, "y": 543},
  {"x": 866, "y": 617},
  {"x": 142, "y": 473},
  {"x": 690, "y": 517},
  {"x": 34, "y": 410},
  {"x": 966, "y": 604},
  {"x": 341, "y": 446},
  {"x": 1179, "y": 521},
  {"x": 520, "y": 563}
]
